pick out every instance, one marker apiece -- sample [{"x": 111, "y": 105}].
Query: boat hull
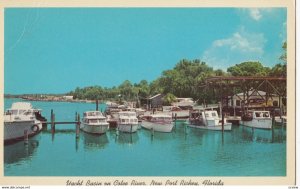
[
  {"x": 227, "y": 127},
  {"x": 15, "y": 130},
  {"x": 158, "y": 127},
  {"x": 95, "y": 129},
  {"x": 128, "y": 128},
  {"x": 258, "y": 123}
]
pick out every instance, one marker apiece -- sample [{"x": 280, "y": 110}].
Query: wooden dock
[
  {"x": 53, "y": 123},
  {"x": 63, "y": 122}
]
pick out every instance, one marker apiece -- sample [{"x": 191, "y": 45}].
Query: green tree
[
  {"x": 248, "y": 69},
  {"x": 279, "y": 69},
  {"x": 168, "y": 99},
  {"x": 283, "y": 57},
  {"x": 126, "y": 89}
]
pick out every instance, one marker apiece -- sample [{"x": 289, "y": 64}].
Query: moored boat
[
  {"x": 20, "y": 120},
  {"x": 127, "y": 121},
  {"x": 94, "y": 122},
  {"x": 158, "y": 122},
  {"x": 257, "y": 119},
  {"x": 207, "y": 119}
]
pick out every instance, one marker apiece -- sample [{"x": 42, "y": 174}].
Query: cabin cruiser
[
  {"x": 257, "y": 119},
  {"x": 207, "y": 119},
  {"x": 158, "y": 122},
  {"x": 94, "y": 122},
  {"x": 127, "y": 121},
  {"x": 22, "y": 120}
]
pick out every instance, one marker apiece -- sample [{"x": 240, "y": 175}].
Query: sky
[{"x": 55, "y": 50}]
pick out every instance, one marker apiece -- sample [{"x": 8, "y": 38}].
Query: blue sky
[{"x": 54, "y": 50}]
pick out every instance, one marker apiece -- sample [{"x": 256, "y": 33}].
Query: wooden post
[
  {"x": 152, "y": 132},
  {"x": 222, "y": 122},
  {"x": 52, "y": 121},
  {"x": 25, "y": 137},
  {"x": 97, "y": 105},
  {"x": 175, "y": 120},
  {"x": 77, "y": 126},
  {"x": 234, "y": 114},
  {"x": 273, "y": 122}
]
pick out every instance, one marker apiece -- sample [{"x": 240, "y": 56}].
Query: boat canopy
[{"x": 21, "y": 105}]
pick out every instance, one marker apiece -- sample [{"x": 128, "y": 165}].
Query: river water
[{"x": 190, "y": 152}]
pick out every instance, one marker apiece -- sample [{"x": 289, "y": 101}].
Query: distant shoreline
[{"x": 52, "y": 100}]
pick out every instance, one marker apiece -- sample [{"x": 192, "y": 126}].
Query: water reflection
[
  {"x": 92, "y": 141},
  {"x": 127, "y": 138},
  {"x": 263, "y": 136},
  {"x": 20, "y": 151}
]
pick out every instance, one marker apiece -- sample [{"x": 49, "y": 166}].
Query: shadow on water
[{"x": 20, "y": 151}]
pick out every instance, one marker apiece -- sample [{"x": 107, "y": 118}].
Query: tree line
[{"x": 183, "y": 80}]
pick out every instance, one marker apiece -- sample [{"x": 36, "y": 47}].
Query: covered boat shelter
[{"x": 226, "y": 87}]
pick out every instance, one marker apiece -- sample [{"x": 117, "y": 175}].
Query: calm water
[{"x": 240, "y": 152}]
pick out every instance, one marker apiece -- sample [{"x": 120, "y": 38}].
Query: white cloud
[
  {"x": 258, "y": 14},
  {"x": 282, "y": 34},
  {"x": 239, "y": 47},
  {"x": 255, "y": 14}
]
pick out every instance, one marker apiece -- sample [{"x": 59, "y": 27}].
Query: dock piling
[
  {"x": 77, "y": 126},
  {"x": 175, "y": 120},
  {"x": 222, "y": 122},
  {"x": 97, "y": 105},
  {"x": 152, "y": 132},
  {"x": 25, "y": 137},
  {"x": 52, "y": 122}
]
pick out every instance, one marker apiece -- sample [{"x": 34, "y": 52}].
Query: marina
[{"x": 183, "y": 152}]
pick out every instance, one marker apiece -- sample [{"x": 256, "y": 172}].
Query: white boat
[
  {"x": 158, "y": 122},
  {"x": 207, "y": 119},
  {"x": 94, "y": 122},
  {"x": 281, "y": 121},
  {"x": 127, "y": 121},
  {"x": 21, "y": 120},
  {"x": 257, "y": 119}
]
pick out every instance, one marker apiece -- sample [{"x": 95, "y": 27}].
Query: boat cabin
[
  {"x": 202, "y": 117},
  {"x": 93, "y": 117},
  {"x": 255, "y": 115},
  {"x": 127, "y": 117}
]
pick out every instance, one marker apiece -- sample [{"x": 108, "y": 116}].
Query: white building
[{"x": 68, "y": 97}]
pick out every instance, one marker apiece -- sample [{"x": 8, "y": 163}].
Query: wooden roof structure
[{"x": 225, "y": 86}]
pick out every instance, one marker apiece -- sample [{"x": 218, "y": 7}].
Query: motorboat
[
  {"x": 22, "y": 120},
  {"x": 257, "y": 119},
  {"x": 127, "y": 121},
  {"x": 158, "y": 122},
  {"x": 207, "y": 119},
  {"x": 94, "y": 122}
]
